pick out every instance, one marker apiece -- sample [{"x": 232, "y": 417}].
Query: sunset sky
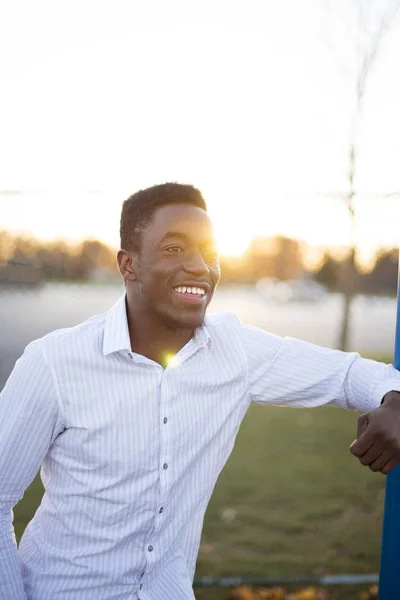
[{"x": 250, "y": 101}]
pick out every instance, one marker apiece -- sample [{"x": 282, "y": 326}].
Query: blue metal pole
[{"x": 389, "y": 576}]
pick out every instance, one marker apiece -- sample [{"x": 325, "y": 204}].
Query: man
[{"x": 132, "y": 415}]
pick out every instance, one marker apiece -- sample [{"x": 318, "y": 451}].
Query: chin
[
  {"x": 191, "y": 322},
  {"x": 186, "y": 321}
]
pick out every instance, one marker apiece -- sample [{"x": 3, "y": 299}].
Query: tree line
[
  {"x": 278, "y": 257},
  {"x": 284, "y": 258}
]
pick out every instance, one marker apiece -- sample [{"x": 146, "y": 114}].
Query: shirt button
[
  {"x": 161, "y": 509},
  {"x": 165, "y": 466},
  {"x": 150, "y": 548},
  {"x": 141, "y": 585},
  {"x": 165, "y": 420}
]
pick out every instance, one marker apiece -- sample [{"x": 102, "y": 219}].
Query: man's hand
[{"x": 378, "y": 436}]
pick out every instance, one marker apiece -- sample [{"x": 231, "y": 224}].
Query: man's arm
[
  {"x": 291, "y": 372},
  {"x": 30, "y": 420}
]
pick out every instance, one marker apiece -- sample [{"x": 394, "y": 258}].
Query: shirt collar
[{"x": 116, "y": 330}]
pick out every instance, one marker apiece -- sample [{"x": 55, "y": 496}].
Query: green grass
[{"x": 303, "y": 504}]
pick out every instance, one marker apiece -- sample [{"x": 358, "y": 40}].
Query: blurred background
[{"x": 285, "y": 115}]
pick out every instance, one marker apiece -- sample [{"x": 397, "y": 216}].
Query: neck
[{"x": 154, "y": 340}]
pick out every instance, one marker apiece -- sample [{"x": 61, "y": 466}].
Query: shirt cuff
[{"x": 382, "y": 388}]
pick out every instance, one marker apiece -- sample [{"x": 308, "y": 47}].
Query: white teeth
[{"x": 190, "y": 290}]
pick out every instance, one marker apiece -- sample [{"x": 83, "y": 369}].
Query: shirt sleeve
[
  {"x": 30, "y": 420},
  {"x": 291, "y": 372}
]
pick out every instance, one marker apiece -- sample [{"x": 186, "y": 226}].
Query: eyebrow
[
  {"x": 175, "y": 234},
  {"x": 185, "y": 238}
]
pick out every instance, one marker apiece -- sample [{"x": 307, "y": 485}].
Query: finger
[
  {"x": 374, "y": 453},
  {"x": 362, "y": 424},
  {"x": 389, "y": 466},
  {"x": 362, "y": 444},
  {"x": 381, "y": 461}
]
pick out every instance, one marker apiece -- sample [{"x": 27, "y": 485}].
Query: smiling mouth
[{"x": 191, "y": 294}]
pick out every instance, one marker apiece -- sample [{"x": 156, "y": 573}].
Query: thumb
[{"x": 362, "y": 425}]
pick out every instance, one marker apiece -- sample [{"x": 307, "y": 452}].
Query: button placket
[{"x": 164, "y": 407}]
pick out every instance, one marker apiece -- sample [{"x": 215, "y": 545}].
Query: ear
[{"x": 127, "y": 263}]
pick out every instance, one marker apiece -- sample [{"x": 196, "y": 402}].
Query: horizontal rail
[{"x": 294, "y": 580}]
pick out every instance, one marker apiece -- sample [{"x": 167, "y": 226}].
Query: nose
[{"x": 196, "y": 264}]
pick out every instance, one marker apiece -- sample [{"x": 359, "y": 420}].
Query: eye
[{"x": 174, "y": 249}]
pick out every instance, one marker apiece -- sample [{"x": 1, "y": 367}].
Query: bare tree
[{"x": 373, "y": 21}]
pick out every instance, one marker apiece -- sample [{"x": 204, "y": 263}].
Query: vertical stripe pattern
[{"x": 129, "y": 453}]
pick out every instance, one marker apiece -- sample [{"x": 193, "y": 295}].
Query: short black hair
[{"x": 138, "y": 210}]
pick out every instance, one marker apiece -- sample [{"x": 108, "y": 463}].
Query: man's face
[{"x": 177, "y": 266}]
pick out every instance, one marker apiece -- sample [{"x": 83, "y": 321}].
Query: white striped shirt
[{"x": 130, "y": 452}]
